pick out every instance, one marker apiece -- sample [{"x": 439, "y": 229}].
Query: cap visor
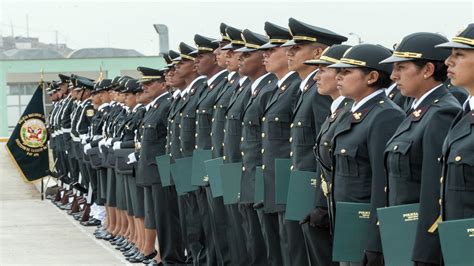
[
  {"x": 245, "y": 49},
  {"x": 395, "y": 59},
  {"x": 342, "y": 65},
  {"x": 454, "y": 45},
  {"x": 289, "y": 43},
  {"x": 227, "y": 47},
  {"x": 317, "y": 62},
  {"x": 267, "y": 46}
]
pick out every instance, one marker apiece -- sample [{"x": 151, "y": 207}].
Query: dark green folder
[
  {"x": 301, "y": 195},
  {"x": 231, "y": 174},
  {"x": 213, "y": 170},
  {"x": 183, "y": 174},
  {"x": 199, "y": 175},
  {"x": 350, "y": 235},
  {"x": 282, "y": 179},
  {"x": 398, "y": 229},
  {"x": 457, "y": 241},
  {"x": 259, "y": 185},
  {"x": 176, "y": 181},
  {"x": 163, "y": 163}
]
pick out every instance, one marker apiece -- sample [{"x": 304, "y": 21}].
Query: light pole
[{"x": 359, "y": 39}]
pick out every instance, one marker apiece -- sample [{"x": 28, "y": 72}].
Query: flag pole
[{"x": 42, "y": 87}]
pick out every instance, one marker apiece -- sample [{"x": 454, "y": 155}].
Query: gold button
[
  {"x": 222, "y": 144},
  {"x": 343, "y": 151},
  {"x": 203, "y": 111},
  {"x": 223, "y": 157},
  {"x": 276, "y": 118},
  {"x": 291, "y": 153},
  {"x": 241, "y": 138},
  {"x": 195, "y": 135},
  {"x": 263, "y": 119},
  {"x": 195, "y": 146},
  {"x": 291, "y": 167},
  {"x": 440, "y": 201},
  {"x": 263, "y": 167},
  {"x": 458, "y": 158},
  {"x": 179, "y": 137},
  {"x": 215, "y": 107},
  {"x": 224, "y": 130},
  {"x": 382, "y": 101},
  {"x": 210, "y": 134},
  {"x": 243, "y": 168},
  {"x": 197, "y": 123},
  {"x": 325, "y": 143},
  {"x": 242, "y": 153},
  {"x": 263, "y": 151},
  {"x": 291, "y": 125},
  {"x": 395, "y": 147},
  {"x": 212, "y": 120},
  {"x": 385, "y": 189},
  {"x": 441, "y": 180},
  {"x": 263, "y": 135},
  {"x": 299, "y": 123},
  {"x": 212, "y": 148},
  {"x": 437, "y": 100},
  {"x": 291, "y": 139}
]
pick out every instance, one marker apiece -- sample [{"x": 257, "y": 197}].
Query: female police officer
[
  {"x": 457, "y": 201},
  {"x": 411, "y": 155},
  {"x": 360, "y": 136}
]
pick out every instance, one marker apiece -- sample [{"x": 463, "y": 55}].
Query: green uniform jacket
[
  {"x": 412, "y": 166},
  {"x": 359, "y": 143},
  {"x": 276, "y": 122}
]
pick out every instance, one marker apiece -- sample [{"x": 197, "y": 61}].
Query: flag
[{"x": 27, "y": 145}]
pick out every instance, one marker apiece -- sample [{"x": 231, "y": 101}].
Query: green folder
[
  {"x": 231, "y": 174},
  {"x": 397, "y": 230},
  {"x": 259, "y": 185},
  {"x": 350, "y": 233},
  {"x": 301, "y": 195},
  {"x": 163, "y": 163},
  {"x": 199, "y": 175},
  {"x": 213, "y": 170},
  {"x": 282, "y": 179},
  {"x": 183, "y": 174},
  {"x": 457, "y": 241},
  {"x": 176, "y": 181}
]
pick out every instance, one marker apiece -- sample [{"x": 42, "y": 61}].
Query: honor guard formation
[{"x": 283, "y": 148}]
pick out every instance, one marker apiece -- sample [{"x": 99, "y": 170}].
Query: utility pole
[{"x": 359, "y": 39}]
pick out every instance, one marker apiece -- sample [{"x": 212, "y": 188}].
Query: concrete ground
[{"x": 35, "y": 232}]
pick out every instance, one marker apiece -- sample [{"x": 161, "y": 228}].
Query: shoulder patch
[{"x": 90, "y": 113}]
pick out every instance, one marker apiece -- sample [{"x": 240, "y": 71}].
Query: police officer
[
  {"x": 206, "y": 64},
  {"x": 310, "y": 111},
  {"x": 360, "y": 137},
  {"x": 322, "y": 215},
  {"x": 276, "y": 129},
  {"x": 457, "y": 192},
  {"x": 411, "y": 155}
]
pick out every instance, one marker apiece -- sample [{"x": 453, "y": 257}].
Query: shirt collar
[
  {"x": 150, "y": 104},
  {"x": 470, "y": 101},
  {"x": 102, "y": 106},
  {"x": 242, "y": 80},
  {"x": 136, "y": 106},
  {"x": 176, "y": 93},
  {"x": 303, "y": 83},
  {"x": 285, "y": 78},
  {"x": 209, "y": 81},
  {"x": 188, "y": 88},
  {"x": 417, "y": 103},
  {"x": 231, "y": 74},
  {"x": 359, "y": 104},
  {"x": 336, "y": 103},
  {"x": 390, "y": 89},
  {"x": 257, "y": 81}
]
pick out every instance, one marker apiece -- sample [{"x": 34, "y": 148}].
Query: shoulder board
[{"x": 90, "y": 112}]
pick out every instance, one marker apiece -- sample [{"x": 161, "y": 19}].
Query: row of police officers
[{"x": 374, "y": 126}]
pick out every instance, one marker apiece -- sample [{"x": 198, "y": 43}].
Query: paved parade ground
[{"x": 36, "y": 232}]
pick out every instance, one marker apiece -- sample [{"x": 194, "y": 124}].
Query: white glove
[
  {"x": 116, "y": 145},
  {"x": 87, "y": 147},
  {"x": 108, "y": 143},
  {"x": 83, "y": 138},
  {"x": 131, "y": 158}
]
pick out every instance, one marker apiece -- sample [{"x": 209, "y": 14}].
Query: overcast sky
[{"x": 128, "y": 24}]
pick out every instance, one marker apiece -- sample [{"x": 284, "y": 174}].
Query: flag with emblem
[{"x": 27, "y": 144}]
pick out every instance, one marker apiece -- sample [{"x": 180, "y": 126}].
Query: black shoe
[
  {"x": 127, "y": 247},
  {"x": 150, "y": 256},
  {"x": 116, "y": 240},
  {"x": 133, "y": 251},
  {"x": 137, "y": 259},
  {"x": 153, "y": 262},
  {"x": 134, "y": 254},
  {"x": 119, "y": 241}
]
